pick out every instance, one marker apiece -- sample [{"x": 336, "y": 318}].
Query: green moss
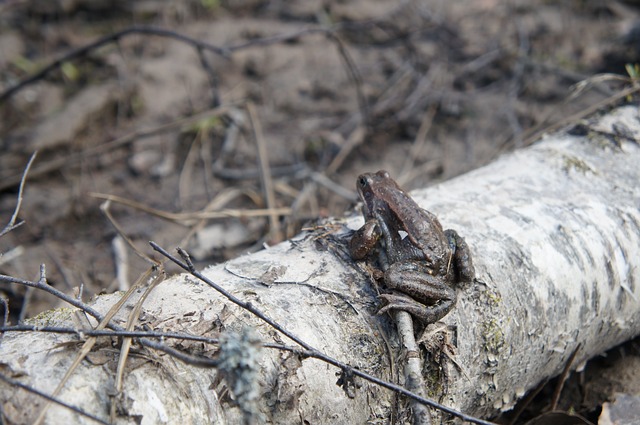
[
  {"x": 493, "y": 336},
  {"x": 52, "y": 317},
  {"x": 573, "y": 163}
]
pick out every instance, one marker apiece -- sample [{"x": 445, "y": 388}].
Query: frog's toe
[
  {"x": 427, "y": 314},
  {"x": 399, "y": 302}
]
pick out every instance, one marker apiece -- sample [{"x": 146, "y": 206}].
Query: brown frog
[{"x": 420, "y": 261}]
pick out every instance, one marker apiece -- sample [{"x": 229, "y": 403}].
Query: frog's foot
[
  {"x": 426, "y": 313},
  {"x": 461, "y": 260}
]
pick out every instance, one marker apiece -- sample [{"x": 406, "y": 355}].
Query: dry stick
[
  {"x": 4, "y": 303},
  {"x": 414, "y": 380},
  {"x": 44, "y": 286},
  {"x": 562, "y": 379},
  {"x": 188, "y": 266},
  {"x": 51, "y": 399},
  {"x": 355, "y": 138},
  {"x": 184, "y": 176},
  {"x": 12, "y": 222},
  {"x": 181, "y": 218},
  {"x": 72, "y": 158},
  {"x": 82, "y": 333},
  {"x": 275, "y": 233},
  {"x": 213, "y": 78},
  {"x": 526, "y": 401}
]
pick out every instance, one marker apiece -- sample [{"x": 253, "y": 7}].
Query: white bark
[{"x": 555, "y": 234}]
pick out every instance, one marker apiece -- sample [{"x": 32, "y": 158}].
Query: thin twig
[
  {"x": 12, "y": 222},
  {"x": 412, "y": 363},
  {"x": 354, "y": 74},
  {"x": 44, "y": 286},
  {"x": 213, "y": 78},
  {"x": 4, "y": 303},
  {"x": 562, "y": 379},
  {"x": 51, "y": 399}
]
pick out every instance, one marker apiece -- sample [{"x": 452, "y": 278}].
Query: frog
[{"x": 421, "y": 264}]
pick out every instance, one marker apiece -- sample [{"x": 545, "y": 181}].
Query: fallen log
[{"x": 555, "y": 234}]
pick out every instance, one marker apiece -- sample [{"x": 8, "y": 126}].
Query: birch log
[{"x": 555, "y": 234}]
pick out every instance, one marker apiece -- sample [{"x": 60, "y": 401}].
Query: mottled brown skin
[{"x": 421, "y": 262}]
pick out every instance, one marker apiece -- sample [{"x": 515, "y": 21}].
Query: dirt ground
[{"x": 175, "y": 115}]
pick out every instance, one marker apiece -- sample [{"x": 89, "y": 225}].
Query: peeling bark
[{"x": 555, "y": 234}]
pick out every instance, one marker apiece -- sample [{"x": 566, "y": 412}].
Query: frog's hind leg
[
  {"x": 426, "y": 313},
  {"x": 426, "y": 297}
]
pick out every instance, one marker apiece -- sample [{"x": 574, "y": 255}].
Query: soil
[{"x": 325, "y": 89}]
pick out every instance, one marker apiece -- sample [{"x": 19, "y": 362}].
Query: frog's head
[{"x": 374, "y": 189}]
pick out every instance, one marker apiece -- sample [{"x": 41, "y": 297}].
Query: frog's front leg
[
  {"x": 461, "y": 262},
  {"x": 427, "y": 297},
  {"x": 364, "y": 240}
]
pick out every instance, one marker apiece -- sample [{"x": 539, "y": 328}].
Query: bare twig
[
  {"x": 562, "y": 378},
  {"x": 213, "y": 78},
  {"x": 12, "y": 222},
  {"x": 44, "y": 286},
  {"x": 413, "y": 379},
  {"x": 121, "y": 263},
  {"x": 51, "y": 399}
]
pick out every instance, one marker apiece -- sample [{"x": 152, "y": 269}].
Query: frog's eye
[{"x": 362, "y": 181}]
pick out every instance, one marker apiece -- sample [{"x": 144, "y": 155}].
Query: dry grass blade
[
  {"x": 86, "y": 348},
  {"x": 275, "y": 233},
  {"x": 105, "y": 209},
  {"x": 355, "y": 138},
  {"x": 127, "y": 341},
  {"x": 186, "y": 218}
]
